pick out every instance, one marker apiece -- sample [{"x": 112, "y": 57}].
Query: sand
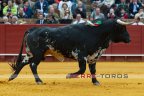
[{"x": 53, "y": 75}]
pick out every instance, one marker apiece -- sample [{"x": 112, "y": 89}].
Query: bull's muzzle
[{"x": 127, "y": 41}]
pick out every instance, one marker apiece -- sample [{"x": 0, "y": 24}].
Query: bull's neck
[
  {"x": 105, "y": 42},
  {"x": 106, "y": 38}
]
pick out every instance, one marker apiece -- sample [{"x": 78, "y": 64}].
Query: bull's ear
[{"x": 123, "y": 23}]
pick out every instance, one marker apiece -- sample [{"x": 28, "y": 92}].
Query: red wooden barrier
[{"x": 11, "y": 37}]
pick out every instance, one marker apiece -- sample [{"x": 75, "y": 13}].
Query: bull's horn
[{"x": 124, "y": 23}]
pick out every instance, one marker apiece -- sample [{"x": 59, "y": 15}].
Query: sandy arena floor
[{"x": 53, "y": 75}]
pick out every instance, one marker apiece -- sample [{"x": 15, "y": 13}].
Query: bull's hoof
[
  {"x": 12, "y": 77},
  {"x": 40, "y": 83},
  {"x": 68, "y": 76},
  {"x": 97, "y": 83},
  {"x": 71, "y": 76}
]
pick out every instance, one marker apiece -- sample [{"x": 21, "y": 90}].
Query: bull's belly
[
  {"x": 90, "y": 59},
  {"x": 56, "y": 54}
]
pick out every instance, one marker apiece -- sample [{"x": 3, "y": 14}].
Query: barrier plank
[
  {"x": 2, "y": 38},
  {"x": 11, "y": 37},
  {"x": 14, "y": 36},
  {"x": 142, "y": 40}
]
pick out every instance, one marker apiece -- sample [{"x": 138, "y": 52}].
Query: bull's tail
[{"x": 19, "y": 59}]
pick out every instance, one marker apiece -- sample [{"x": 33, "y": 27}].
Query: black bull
[{"x": 82, "y": 42}]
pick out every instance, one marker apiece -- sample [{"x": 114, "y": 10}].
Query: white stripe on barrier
[{"x": 102, "y": 55}]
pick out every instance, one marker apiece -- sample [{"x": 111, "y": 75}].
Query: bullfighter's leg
[
  {"x": 82, "y": 68},
  {"x": 92, "y": 68},
  {"x": 33, "y": 65}
]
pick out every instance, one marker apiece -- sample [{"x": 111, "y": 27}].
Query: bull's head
[{"x": 121, "y": 34}]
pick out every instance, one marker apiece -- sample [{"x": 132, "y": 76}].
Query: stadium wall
[{"x": 11, "y": 37}]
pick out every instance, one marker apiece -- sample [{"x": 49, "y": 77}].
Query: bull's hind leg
[
  {"x": 82, "y": 68},
  {"x": 93, "y": 73},
  {"x": 33, "y": 65},
  {"x": 17, "y": 71},
  {"x": 17, "y": 68}
]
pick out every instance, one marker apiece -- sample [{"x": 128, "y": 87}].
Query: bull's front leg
[
  {"x": 92, "y": 68},
  {"x": 82, "y": 68}
]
